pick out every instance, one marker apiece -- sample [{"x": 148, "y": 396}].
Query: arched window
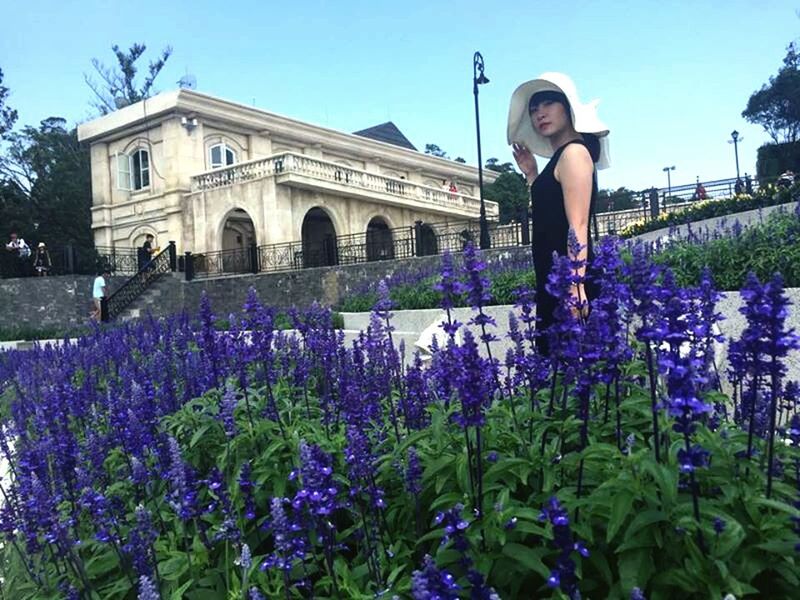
[
  {"x": 133, "y": 170},
  {"x": 221, "y": 155}
]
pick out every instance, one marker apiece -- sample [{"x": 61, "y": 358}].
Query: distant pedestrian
[
  {"x": 786, "y": 179},
  {"x": 748, "y": 184},
  {"x": 41, "y": 261},
  {"x": 145, "y": 253},
  {"x": 99, "y": 292},
  {"x": 654, "y": 207},
  {"x": 738, "y": 187},
  {"x": 700, "y": 192},
  {"x": 20, "y": 252}
]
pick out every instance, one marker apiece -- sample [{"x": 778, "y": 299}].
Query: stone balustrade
[{"x": 289, "y": 163}]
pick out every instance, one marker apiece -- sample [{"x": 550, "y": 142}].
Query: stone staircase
[{"x": 162, "y": 298}]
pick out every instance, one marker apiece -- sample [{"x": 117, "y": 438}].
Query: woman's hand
[{"x": 525, "y": 161}]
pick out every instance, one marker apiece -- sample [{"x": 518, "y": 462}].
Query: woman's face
[{"x": 549, "y": 117}]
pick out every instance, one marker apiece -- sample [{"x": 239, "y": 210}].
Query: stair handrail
[{"x": 162, "y": 263}]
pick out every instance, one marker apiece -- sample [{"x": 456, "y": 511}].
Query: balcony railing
[{"x": 288, "y": 164}]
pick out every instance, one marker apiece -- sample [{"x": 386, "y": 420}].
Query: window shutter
[{"x": 123, "y": 172}]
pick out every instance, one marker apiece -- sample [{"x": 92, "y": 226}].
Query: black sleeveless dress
[{"x": 550, "y": 233}]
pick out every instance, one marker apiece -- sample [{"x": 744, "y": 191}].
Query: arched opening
[
  {"x": 319, "y": 239},
  {"x": 379, "y": 240},
  {"x": 238, "y": 236},
  {"x": 427, "y": 241}
]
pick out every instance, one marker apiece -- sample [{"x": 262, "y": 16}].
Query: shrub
[{"x": 768, "y": 196}]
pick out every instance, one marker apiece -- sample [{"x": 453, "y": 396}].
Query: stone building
[{"x": 216, "y": 175}]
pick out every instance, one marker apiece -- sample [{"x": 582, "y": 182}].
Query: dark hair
[
  {"x": 547, "y": 96},
  {"x": 592, "y": 145}
]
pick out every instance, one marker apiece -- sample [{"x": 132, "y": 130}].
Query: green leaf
[
  {"x": 781, "y": 547},
  {"x": 201, "y": 431},
  {"x": 644, "y": 519},
  {"x": 620, "y": 510},
  {"x": 173, "y": 568},
  {"x": 636, "y": 567},
  {"x": 530, "y": 558},
  {"x": 776, "y": 504},
  {"x": 178, "y": 594}
]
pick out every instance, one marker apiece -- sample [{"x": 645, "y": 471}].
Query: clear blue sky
[{"x": 673, "y": 77}]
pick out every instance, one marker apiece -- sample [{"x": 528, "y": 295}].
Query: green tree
[
  {"x": 7, "y": 115},
  {"x": 510, "y": 191},
  {"x": 776, "y": 106},
  {"x": 494, "y": 164},
  {"x": 117, "y": 86},
  {"x": 434, "y": 150},
  {"x": 47, "y": 178},
  {"x": 619, "y": 199}
]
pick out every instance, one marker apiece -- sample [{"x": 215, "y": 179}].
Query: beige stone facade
[{"x": 212, "y": 175}]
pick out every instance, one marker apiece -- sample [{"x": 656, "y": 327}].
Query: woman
[
  {"x": 547, "y": 118},
  {"x": 41, "y": 260}
]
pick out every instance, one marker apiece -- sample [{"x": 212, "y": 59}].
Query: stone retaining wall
[
  {"x": 64, "y": 302},
  {"x": 47, "y": 302}
]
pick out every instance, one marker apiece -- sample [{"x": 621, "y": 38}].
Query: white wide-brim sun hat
[{"x": 584, "y": 116}]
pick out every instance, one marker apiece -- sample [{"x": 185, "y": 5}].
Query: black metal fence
[
  {"x": 421, "y": 239},
  {"x": 70, "y": 259}
]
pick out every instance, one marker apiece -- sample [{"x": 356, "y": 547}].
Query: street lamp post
[
  {"x": 478, "y": 78},
  {"x": 669, "y": 182},
  {"x": 735, "y": 139}
]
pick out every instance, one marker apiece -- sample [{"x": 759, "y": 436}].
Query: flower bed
[
  {"x": 170, "y": 460},
  {"x": 729, "y": 251},
  {"x": 769, "y": 195}
]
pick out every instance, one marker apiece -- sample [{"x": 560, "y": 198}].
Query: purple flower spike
[
  {"x": 431, "y": 583},
  {"x": 147, "y": 590},
  {"x": 563, "y": 575}
]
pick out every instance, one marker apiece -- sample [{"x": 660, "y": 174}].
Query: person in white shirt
[
  {"x": 21, "y": 252},
  {"x": 99, "y": 291}
]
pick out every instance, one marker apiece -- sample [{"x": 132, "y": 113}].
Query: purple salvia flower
[
  {"x": 290, "y": 544},
  {"x": 140, "y": 542},
  {"x": 451, "y": 290},
  {"x": 637, "y": 594},
  {"x": 208, "y": 342},
  {"x": 563, "y": 576},
  {"x": 719, "y": 525},
  {"x": 473, "y": 385},
  {"x": 432, "y": 583},
  {"x": 246, "y": 488},
  {"x": 245, "y": 559},
  {"x": 318, "y": 489},
  {"x": 415, "y": 396},
  {"x": 455, "y": 527},
  {"x": 360, "y": 459},
  {"x": 183, "y": 496},
  {"x": 413, "y": 474},
  {"x": 255, "y": 594},
  {"x": 227, "y": 408},
  {"x": 147, "y": 590}
]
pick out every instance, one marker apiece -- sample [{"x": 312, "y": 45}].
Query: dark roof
[{"x": 386, "y": 132}]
